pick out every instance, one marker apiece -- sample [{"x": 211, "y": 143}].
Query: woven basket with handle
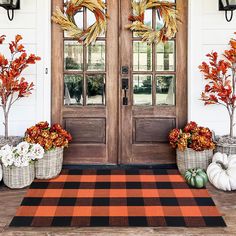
[
  {"x": 18, "y": 177},
  {"x": 50, "y": 165},
  {"x": 190, "y": 159}
]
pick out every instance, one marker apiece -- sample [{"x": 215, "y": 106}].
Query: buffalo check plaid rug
[{"x": 131, "y": 197}]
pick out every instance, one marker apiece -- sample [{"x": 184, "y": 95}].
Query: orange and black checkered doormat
[{"x": 131, "y": 197}]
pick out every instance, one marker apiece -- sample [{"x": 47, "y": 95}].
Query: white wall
[
  {"x": 208, "y": 30},
  {"x": 33, "y": 23}
]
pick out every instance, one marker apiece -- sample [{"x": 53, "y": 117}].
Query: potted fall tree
[
  {"x": 220, "y": 73},
  {"x": 13, "y": 87}
]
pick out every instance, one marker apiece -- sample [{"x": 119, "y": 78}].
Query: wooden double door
[{"x": 120, "y": 97}]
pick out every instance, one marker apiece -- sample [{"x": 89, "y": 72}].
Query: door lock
[
  {"x": 125, "y": 87},
  {"x": 125, "y": 83},
  {"x": 125, "y": 70}
]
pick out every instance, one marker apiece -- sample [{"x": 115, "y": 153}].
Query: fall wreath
[
  {"x": 167, "y": 14},
  {"x": 67, "y": 22}
]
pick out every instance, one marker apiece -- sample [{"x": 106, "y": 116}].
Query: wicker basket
[
  {"x": 18, "y": 177},
  {"x": 50, "y": 165},
  {"x": 12, "y": 141},
  {"x": 229, "y": 149},
  {"x": 192, "y": 159}
]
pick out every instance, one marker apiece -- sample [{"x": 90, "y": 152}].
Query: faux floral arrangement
[
  {"x": 48, "y": 137},
  {"x": 192, "y": 136},
  {"x": 21, "y": 155}
]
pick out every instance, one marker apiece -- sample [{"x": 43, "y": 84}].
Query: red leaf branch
[
  {"x": 12, "y": 85},
  {"x": 220, "y": 75}
]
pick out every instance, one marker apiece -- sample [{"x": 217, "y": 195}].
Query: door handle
[{"x": 125, "y": 87}]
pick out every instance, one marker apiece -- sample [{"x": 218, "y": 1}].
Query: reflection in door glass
[
  {"x": 96, "y": 90},
  {"x": 165, "y": 90},
  {"x": 142, "y": 89},
  {"x": 78, "y": 19},
  {"x": 165, "y": 56},
  {"x": 147, "y": 20},
  {"x": 73, "y": 56},
  {"x": 73, "y": 90},
  {"x": 142, "y": 56},
  {"x": 96, "y": 56}
]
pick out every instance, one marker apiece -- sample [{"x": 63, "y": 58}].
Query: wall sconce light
[
  {"x": 227, "y": 6},
  {"x": 10, "y": 5}
]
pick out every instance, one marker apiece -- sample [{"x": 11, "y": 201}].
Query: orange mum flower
[
  {"x": 48, "y": 137},
  {"x": 193, "y": 136}
]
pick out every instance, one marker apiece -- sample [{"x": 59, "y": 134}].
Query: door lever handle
[
  {"x": 125, "y": 87},
  {"x": 125, "y": 99}
]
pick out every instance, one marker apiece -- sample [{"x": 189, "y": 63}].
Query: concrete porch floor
[{"x": 11, "y": 199}]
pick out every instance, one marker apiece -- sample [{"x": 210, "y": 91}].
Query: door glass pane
[
  {"x": 96, "y": 90},
  {"x": 159, "y": 21},
  {"x": 142, "y": 89},
  {"x": 73, "y": 89},
  {"x": 165, "y": 56},
  {"x": 73, "y": 56},
  {"x": 78, "y": 18},
  {"x": 142, "y": 56},
  {"x": 96, "y": 56},
  {"x": 165, "y": 90},
  {"x": 147, "y": 20},
  {"x": 91, "y": 19}
]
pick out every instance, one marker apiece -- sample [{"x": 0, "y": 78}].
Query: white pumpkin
[
  {"x": 222, "y": 172},
  {"x": 0, "y": 173}
]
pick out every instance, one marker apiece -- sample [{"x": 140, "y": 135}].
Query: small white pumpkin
[
  {"x": 222, "y": 172},
  {"x": 0, "y": 172}
]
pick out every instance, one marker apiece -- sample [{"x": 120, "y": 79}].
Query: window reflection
[
  {"x": 142, "y": 89},
  {"x": 142, "y": 56},
  {"x": 165, "y": 56},
  {"x": 165, "y": 90},
  {"x": 96, "y": 57},
  {"x": 73, "y": 90},
  {"x": 73, "y": 56},
  {"x": 96, "y": 90}
]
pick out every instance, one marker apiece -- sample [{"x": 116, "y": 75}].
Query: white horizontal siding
[
  {"x": 208, "y": 31},
  {"x": 33, "y": 24}
]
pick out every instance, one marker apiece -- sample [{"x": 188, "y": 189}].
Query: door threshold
[{"x": 121, "y": 166}]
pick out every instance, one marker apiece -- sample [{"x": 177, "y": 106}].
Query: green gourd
[{"x": 196, "y": 178}]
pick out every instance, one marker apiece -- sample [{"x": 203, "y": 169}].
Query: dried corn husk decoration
[
  {"x": 167, "y": 12},
  {"x": 66, "y": 19}
]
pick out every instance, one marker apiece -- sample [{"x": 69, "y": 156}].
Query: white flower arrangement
[{"x": 21, "y": 155}]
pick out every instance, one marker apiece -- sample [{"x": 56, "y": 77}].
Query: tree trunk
[
  {"x": 232, "y": 125},
  {"x": 6, "y": 123}
]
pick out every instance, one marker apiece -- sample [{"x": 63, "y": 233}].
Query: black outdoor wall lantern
[
  {"x": 227, "y": 6},
  {"x": 10, "y": 6}
]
